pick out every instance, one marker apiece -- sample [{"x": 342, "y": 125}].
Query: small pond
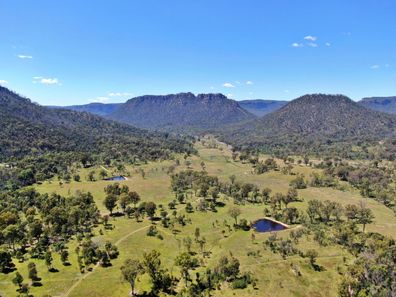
[
  {"x": 265, "y": 225},
  {"x": 120, "y": 177}
]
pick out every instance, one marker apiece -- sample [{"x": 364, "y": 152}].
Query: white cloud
[
  {"x": 212, "y": 87},
  {"x": 312, "y": 44},
  {"x": 387, "y": 65},
  {"x": 286, "y": 91},
  {"x": 375, "y": 66},
  {"x": 237, "y": 82},
  {"x": 228, "y": 85},
  {"x": 310, "y": 38},
  {"x": 328, "y": 44},
  {"x": 230, "y": 95},
  {"x": 119, "y": 94},
  {"x": 250, "y": 93},
  {"x": 100, "y": 99},
  {"x": 295, "y": 44},
  {"x": 249, "y": 82},
  {"x": 46, "y": 81},
  {"x": 3, "y": 82},
  {"x": 25, "y": 57}
]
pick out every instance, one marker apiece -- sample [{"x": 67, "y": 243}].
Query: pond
[
  {"x": 266, "y": 225},
  {"x": 120, "y": 177}
]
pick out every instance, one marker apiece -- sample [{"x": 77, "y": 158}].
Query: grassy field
[{"x": 275, "y": 275}]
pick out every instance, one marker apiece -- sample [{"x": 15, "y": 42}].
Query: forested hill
[
  {"x": 384, "y": 104},
  {"x": 313, "y": 122},
  {"x": 181, "y": 112},
  {"x": 260, "y": 107},
  {"x": 28, "y": 129}
]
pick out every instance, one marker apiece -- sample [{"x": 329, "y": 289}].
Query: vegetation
[{"x": 181, "y": 223}]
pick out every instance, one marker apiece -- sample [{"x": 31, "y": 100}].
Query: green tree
[
  {"x": 364, "y": 216},
  {"x": 110, "y": 202},
  {"x": 48, "y": 260},
  {"x": 150, "y": 208},
  {"x": 130, "y": 272},
  {"x": 185, "y": 262},
  {"x": 235, "y": 212},
  {"x": 5, "y": 261},
  {"x": 124, "y": 201},
  {"x": 312, "y": 255},
  {"x": 64, "y": 255},
  {"x": 102, "y": 173},
  {"x": 32, "y": 271},
  {"x": 18, "y": 280},
  {"x": 134, "y": 198}
]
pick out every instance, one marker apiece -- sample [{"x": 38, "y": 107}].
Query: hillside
[
  {"x": 28, "y": 129},
  {"x": 260, "y": 107},
  {"x": 384, "y": 104},
  {"x": 101, "y": 109},
  {"x": 313, "y": 122},
  {"x": 181, "y": 112}
]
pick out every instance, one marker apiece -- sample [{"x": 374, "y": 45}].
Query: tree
[
  {"x": 265, "y": 193},
  {"x": 102, "y": 173},
  {"x": 36, "y": 229},
  {"x": 32, "y": 271},
  {"x": 48, "y": 260},
  {"x": 187, "y": 243},
  {"x": 185, "y": 262},
  {"x": 351, "y": 211},
  {"x": 130, "y": 272},
  {"x": 134, "y": 198},
  {"x": 152, "y": 265},
  {"x": 235, "y": 212},
  {"x": 5, "y": 261},
  {"x": 124, "y": 200},
  {"x": 314, "y": 209},
  {"x": 18, "y": 280},
  {"x": 292, "y": 195},
  {"x": 91, "y": 176},
  {"x": 76, "y": 177},
  {"x": 150, "y": 209},
  {"x": 312, "y": 255},
  {"x": 64, "y": 256},
  {"x": 228, "y": 267},
  {"x": 364, "y": 216},
  {"x": 110, "y": 202},
  {"x": 298, "y": 182},
  {"x": 197, "y": 233}
]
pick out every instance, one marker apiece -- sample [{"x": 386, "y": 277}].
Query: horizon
[
  {"x": 195, "y": 94},
  {"x": 69, "y": 54}
]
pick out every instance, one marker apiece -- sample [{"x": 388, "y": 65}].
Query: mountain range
[
  {"x": 384, "y": 104},
  {"x": 311, "y": 121},
  {"x": 28, "y": 129},
  {"x": 97, "y": 108},
  {"x": 260, "y": 107}
]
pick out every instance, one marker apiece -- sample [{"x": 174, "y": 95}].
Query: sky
[{"x": 75, "y": 52}]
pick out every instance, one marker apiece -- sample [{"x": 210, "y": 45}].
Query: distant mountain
[
  {"x": 384, "y": 104},
  {"x": 182, "y": 112},
  {"x": 28, "y": 129},
  {"x": 312, "y": 122},
  {"x": 101, "y": 109},
  {"x": 260, "y": 107}
]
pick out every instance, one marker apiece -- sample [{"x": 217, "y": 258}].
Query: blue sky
[{"x": 75, "y": 52}]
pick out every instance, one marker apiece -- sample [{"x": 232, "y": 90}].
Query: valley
[{"x": 275, "y": 275}]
